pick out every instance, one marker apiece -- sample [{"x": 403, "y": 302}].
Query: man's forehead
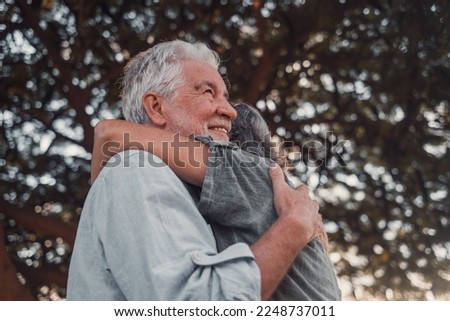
[
  {"x": 204, "y": 74},
  {"x": 201, "y": 67}
]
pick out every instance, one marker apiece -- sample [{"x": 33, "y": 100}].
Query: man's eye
[{"x": 209, "y": 92}]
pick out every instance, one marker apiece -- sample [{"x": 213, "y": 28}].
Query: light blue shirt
[{"x": 141, "y": 237}]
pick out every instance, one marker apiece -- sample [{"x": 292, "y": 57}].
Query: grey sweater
[{"x": 237, "y": 201}]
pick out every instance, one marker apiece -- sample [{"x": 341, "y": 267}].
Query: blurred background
[{"x": 358, "y": 91}]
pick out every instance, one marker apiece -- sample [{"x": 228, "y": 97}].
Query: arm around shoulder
[{"x": 185, "y": 156}]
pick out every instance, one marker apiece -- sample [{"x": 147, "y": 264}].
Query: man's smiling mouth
[{"x": 219, "y": 129}]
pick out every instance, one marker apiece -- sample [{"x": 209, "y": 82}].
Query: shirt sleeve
[{"x": 157, "y": 244}]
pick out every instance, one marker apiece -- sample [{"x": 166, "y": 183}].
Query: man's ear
[{"x": 153, "y": 107}]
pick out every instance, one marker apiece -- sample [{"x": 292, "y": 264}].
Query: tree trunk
[{"x": 10, "y": 287}]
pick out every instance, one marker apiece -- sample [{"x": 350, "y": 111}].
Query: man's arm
[{"x": 298, "y": 223}]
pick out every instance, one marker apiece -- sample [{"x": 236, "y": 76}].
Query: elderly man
[{"x": 141, "y": 236}]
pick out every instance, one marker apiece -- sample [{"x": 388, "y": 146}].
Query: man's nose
[{"x": 226, "y": 110}]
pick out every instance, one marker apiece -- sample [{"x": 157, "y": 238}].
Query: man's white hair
[{"x": 158, "y": 69}]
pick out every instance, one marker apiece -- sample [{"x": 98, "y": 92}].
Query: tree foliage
[{"x": 356, "y": 89}]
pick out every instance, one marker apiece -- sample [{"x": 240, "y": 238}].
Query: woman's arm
[{"x": 187, "y": 157}]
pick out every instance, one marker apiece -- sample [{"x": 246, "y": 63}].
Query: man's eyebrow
[
  {"x": 204, "y": 83},
  {"x": 210, "y": 84}
]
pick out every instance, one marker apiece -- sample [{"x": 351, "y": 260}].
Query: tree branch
[
  {"x": 46, "y": 225},
  {"x": 43, "y": 275}
]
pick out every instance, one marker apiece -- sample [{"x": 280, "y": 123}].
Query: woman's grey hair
[
  {"x": 158, "y": 69},
  {"x": 251, "y": 132}
]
